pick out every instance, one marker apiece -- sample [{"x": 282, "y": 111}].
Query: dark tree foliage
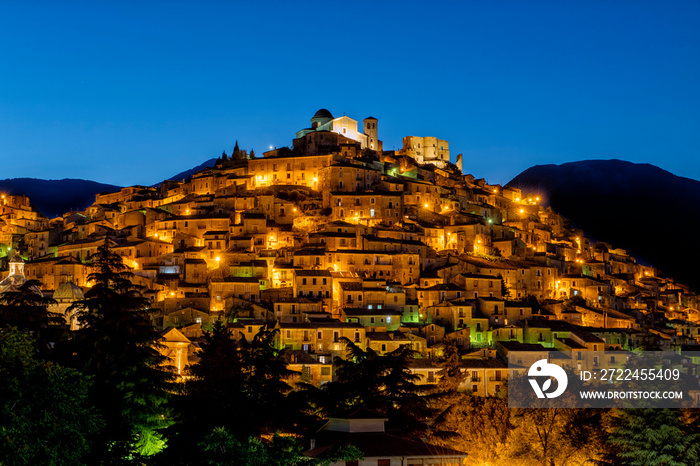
[
  {"x": 221, "y": 448},
  {"x": 451, "y": 373},
  {"x": 118, "y": 347},
  {"x": 45, "y": 417},
  {"x": 237, "y": 386},
  {"x": 27, "y": 308},
  {"x": 652, "y": 437},
  {"x": 382, "y": 383},
  {"x": 505, "y": 291}
]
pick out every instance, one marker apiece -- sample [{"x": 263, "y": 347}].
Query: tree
[
  {"x": 252, "y": 154},
  {"x": 653, "y": 437},
  {"x": 118, "y": 347},
  {"x": 479, "y": 426},
  {"x": 220, "y": 448},
  {"x": 451, "y": 373},
  {"x": 27, "y": 308},
  {"x": 553, "y": 436},
  {"x": 45, "y": 416},
  {"x": 382, "y": 383},
  {"x": 505, "y": 291},
  {"x": 239, "y": 387}
]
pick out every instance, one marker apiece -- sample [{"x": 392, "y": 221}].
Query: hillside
[
  {"x": 187, "y": 173},
  {"x": 651, "y": 213},
  {"x": 55, "y": 197}
]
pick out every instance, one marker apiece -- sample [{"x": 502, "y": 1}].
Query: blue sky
[{"x": 134, "y": 92}]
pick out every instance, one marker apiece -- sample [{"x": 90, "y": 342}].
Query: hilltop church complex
[{"x": 336, "y": 237}]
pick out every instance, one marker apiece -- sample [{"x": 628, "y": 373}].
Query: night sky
[{"x": 135, "y": 92}]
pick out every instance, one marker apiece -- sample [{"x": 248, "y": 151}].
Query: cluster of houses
[{"x": 335, "y": 238}]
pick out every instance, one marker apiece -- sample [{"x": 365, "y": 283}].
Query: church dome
[
  {"x": 321, "y": 117},
  {"x": 323, "y": 113},
  {"x": 69, "y": 291}
]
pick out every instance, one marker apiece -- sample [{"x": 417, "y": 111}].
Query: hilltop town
[{"x": 335, "y": 237}]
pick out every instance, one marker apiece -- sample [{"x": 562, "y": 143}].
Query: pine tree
[
  {"x": 252, "y": 154},
  {"x": 383, "y": 383},
  {"x": 451, "y": 373},
  {"x": 118, "y": 347},
  {"x": 236, "y": 154},
  {"x": 244, "y": 383},
  {"x": 505, "y": 291}
]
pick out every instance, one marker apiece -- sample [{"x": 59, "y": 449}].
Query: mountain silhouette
[
  {"x": 651, "y": 213},
  {"x": 53, "y": 198},
  {"x": 184, "y": 175}
]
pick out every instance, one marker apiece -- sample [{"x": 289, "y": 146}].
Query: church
[{"x": 327, "y": 131}]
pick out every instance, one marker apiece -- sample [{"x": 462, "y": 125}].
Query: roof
[
  {"x": 517, "y": 346},
  {"x": 421, "y": 363},
  {"x": 68, "y": 290},
  {"x": 356, "y": 312},
  {"x": 318, "y": 324},
  {"x": 172, "y": 334},
  {"x": 483, "y": 364},
  {"x": 351, "y": 286},
  {"x": 299, "y": 357},
  {"x": 572, "y": 344},
  {"x": 391, "y": 336},
  {"x": 379, "y": 444},
  {"x": 357, "y": 413},
  {"x": 312, "y": 273},
  {"x": 323, "y": 114}
]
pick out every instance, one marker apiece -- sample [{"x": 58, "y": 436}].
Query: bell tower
[
  {"x": 370, "y": 129},
  {"x": 16, "y": 265}
]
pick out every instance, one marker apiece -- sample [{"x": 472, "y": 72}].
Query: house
[{"x": 365, "y": 430}]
